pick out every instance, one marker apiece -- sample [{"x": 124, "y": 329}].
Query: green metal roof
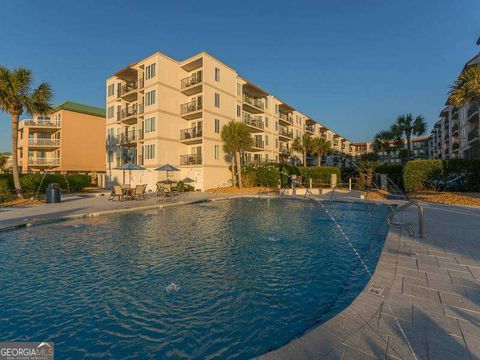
[{"x": 81, "y": 108}]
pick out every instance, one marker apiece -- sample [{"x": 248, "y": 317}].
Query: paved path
[{"x": 430, "y": 305}]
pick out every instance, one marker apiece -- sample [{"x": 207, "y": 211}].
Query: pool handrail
[{"x": 407, "y": 226}]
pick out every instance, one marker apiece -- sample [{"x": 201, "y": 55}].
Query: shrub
[
  {"x": 261, "y": 175},
  {"x": 77, "y": 182},
  {"x": 321, "y": 174},
  {"x": 5, "y": 190},
  {"x": 394, "y": 173},
  {"x": 73, "y": 182},
  {"x": 417, "y": 174}
]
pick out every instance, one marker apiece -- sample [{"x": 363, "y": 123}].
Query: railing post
[
  {"x": 349, "y": 184},
  {"x": 420, "y": 221}
]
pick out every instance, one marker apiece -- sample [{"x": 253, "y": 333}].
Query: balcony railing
[
  {"x": 283, "y": 131},
  {"x": 129, "y": 111},
  {"x": 284, "y": 150},
  {"x": 130, "y": 136},
  {"x": 473, "y": 109},
  {"x": 455, "y": 113},
  {"x": 190, "y": 133},
  {"x": 455, "y": 146},
  {"x": 257, "y": 143},
  {"x": 191, "y": 106},
  {"x": 43, "y": 123},
  {"x": 253, "y": 101},
  {"x": 141, "y": 83},
  {"x": 310, "y": 128},
  {"x": 44, "y": 142},
  {"x": 44, "y": 161},
  {"x": 252, "y": 120},
  {"x": 192, "y": 80},
  {"x": 285, "y": 118},
  {"x": 455, "y": 127},
  {"x": 473, "y": 134},
  {"x": 126, "y": 88},
  {"x": 191, "y": 159}
]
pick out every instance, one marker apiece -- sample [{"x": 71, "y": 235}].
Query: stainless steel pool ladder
[{"x": 407, "y": 226}]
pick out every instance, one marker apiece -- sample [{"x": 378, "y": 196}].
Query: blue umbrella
[{"x": 129, "y": 166}]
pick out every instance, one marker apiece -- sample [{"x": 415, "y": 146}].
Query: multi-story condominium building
[
  {"x": 361, "y": 148},
  {"x": 160, "y": 110},
  {"x": 71, "y": 139},
  {"x": 456, "y": 133},
  {"x": 419, "y": 149}
]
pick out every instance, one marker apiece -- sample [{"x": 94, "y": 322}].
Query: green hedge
[
  {"x": 417, "y": 174},
  {"x": 31, "y": 182},
  {"x": 261, "y": 175},
  {"x": 5, "y": 189},
  {"x": 320, "y": 173}
]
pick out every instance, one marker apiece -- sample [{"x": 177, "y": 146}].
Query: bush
[
  {"x": 394, "y": 173},
  {"x": 5, "y": 189},
  {"x": 417, "y": 174},
  {"x": 31, "y": 182},
  {"x": 261, "y": 175},
  {"x": 321, "y": 174}
]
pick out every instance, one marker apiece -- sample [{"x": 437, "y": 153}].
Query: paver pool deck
[{"x": 423, "y": 301}]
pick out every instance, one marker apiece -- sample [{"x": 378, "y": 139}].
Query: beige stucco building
[
  {"x": 70, "y": 140},
  {"x": 160, "y": 110}
]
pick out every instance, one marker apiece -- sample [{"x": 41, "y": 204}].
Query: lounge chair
[
  {"x": 139, "y": 192},
  {"x": 117, "y": 192},
  {"x": 162, "y": 193}
]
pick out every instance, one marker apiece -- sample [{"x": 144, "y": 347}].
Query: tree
[
  {"x": 320, "y": 147},
  {"x": 466, "y": 89},
  {"x": 17, "y": 97},
  {"x": 236, "y": 137},
  {"x": 406, "y": 125},
  {"x": 387, "y": 141},
  {"x": 303, "y": 145}
]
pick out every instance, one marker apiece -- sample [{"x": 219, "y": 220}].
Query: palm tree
[
  {"x": 386, "y": 141},
  {"x": 320, "y": 147},
  {"x": 406, "y": 125},
  {"x": 303, "y": 145},
  {"x": 466, "y": 89},
  {"x": 17, "y": 97},
  {"x": 236, "y": 137}
]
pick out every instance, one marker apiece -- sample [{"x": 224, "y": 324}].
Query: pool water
[{"x": 229, "y": 279}]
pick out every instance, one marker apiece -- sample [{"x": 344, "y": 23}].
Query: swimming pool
[{"x": 228, "y": 279}]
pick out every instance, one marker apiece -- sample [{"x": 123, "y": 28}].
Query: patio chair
[
  {"x": 162, "y": 193},
  {"x": 117, "y": 192},
  {"x": 139, "y": 192}
]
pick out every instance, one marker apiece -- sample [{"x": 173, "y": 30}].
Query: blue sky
[{"x": 352, "y": 65}]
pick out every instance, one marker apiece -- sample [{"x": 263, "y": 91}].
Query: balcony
[
  {"x": 44, "y": 161},
  {"x": 284, "y": 150},
  {"x": 472, "y": 110},
  {"x": 310, "y": 128},
  {"x": 192, "y": 109},
  {"x": 192, "y": 84},
  {"x": 254, "y": 105},
  {"x": 257, "y": 145},
  {"x": 130, "y": 137},
  {"x": 128, "y": 91},
  {"x": 455, "y": 112},
  {"x": 473, "y": 134},
  {"x": 129, "y": 113},
  {"x": 46, "y": 143},
  {"x": 254, "y": 122},
  {"x": 285, "y": 118},
  {"x": 455, "y": 128},
  {"x": 44, "y": 124},
  {"x": 455, "y": 146},
  {"x": 285, "y": 133},
  {"x": 191, "y": 159},
  {"x": 191, "y": 135}
]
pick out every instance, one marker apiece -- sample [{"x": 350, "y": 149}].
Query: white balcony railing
[
  {"x": 44, "y": 161},
  {"x": 44, "y": 142}
]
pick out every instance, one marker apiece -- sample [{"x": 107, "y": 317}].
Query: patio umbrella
[{"x": 129, "y": 166}]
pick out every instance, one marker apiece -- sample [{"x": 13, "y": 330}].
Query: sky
[{"x": 352, "y": 65}]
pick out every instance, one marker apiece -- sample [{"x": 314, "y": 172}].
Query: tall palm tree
[
  {"x": 386, "y": 141},
  {"x": 406, "y": 125},
  {"x": 320, "y": 147},
  {"x": 236, "y": 137},
  {"x": 17, "y": 97},
  {"x": 466, "y": 89},
  {"x": 227, "y": 148},
  {"x": 303, "y": 145}
]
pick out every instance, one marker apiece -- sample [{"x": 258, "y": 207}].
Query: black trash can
[{"x": 53, "y": 194}]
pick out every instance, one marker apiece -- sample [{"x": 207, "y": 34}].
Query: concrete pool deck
[{"x": 423, "y": 301}]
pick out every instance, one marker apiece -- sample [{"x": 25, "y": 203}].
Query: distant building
[
  {"x": 359, "y": 149},
  {"x": 419, "y": 149},
  {"x": 7, "y": 167},
  {"x": 72, "y": 139}
]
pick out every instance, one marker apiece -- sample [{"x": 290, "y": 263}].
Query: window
[
  {"x": 217, "y": 100},
  {"x": 217, "y": 74},
  {"x": 239, "y": 89},
  {"x": 266, "y": 102},
  {"x": 217, "y": 126},
  {"x": 266, "y": 121},
  {"x": 149, "y": 125},
  {"x": 276, "y": 108},
  {"x": 276, "y": 143},
  {"x": 150, "y": 71},
  {"x": 266, "y": 157},
  {"x": 150, "y": 98},
  {"x": 149, "y": 152},
  {"x": 110, "y": 135},
  {"x": 111, "y": 90},
  {"x": 239, "y": 111},
  {"x": 217, "y": 152},
  {"x": 110, "y": 112},
  {"x": 266, "y": 140}
]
